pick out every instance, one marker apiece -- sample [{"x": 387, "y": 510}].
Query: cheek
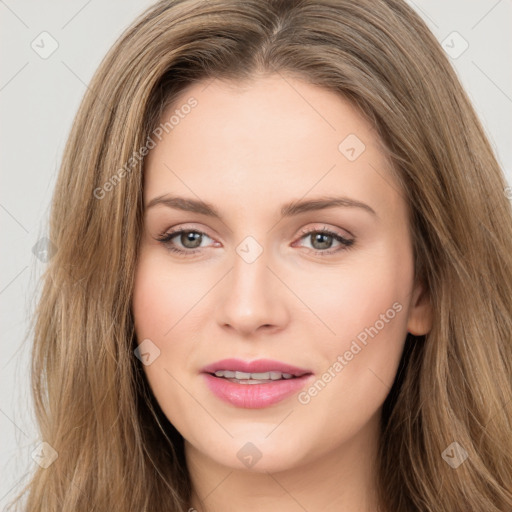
[
  {"x": 367, "y": 310},
  {"x": 371, "y": 290},
  {"x": 163, "y": 296},
  {"x": 158, "y": 303},
  {"x": 161, "y": 306}
]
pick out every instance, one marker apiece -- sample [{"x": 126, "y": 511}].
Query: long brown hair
[{"x": 116, "y": 450}]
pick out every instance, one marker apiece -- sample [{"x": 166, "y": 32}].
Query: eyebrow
[{"x": 288, "y": 210}]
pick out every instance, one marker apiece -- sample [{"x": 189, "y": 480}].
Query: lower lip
[{"x": 255, "y": 396}]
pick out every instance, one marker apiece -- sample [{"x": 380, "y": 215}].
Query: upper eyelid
[
  {"x": 185, "y": 228},
  {"x": 325, "y": 228}
]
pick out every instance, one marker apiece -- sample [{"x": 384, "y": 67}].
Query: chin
[{"x": 257, "y": 451}]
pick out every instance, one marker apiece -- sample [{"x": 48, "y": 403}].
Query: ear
[{"x": 420, "y": 312}]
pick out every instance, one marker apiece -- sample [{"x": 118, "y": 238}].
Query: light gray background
[{"x": 39, "y": 97}]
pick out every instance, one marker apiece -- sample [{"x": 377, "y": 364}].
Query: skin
[{"x": 248, "y": 149}]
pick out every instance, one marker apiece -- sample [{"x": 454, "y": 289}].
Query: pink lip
[{"x": 255, "y": 396}]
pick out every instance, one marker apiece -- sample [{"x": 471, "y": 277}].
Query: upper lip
[{"x": 257, "y": 366}]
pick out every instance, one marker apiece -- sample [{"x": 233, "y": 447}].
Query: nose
[{"x": 253, "y": 298}]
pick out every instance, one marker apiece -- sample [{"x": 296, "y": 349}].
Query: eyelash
[{"x": 165, "y": 239}]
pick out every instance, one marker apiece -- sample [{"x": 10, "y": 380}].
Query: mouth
[
  {"x": 254, "y": 384},
  {"x": 252, "y": 378}
]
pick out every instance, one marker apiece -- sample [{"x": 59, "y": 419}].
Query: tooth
[
  {"x": 262, "y": 376},
  {"x": 252, "y": 378},
  {"x": 228, "y": 374}
]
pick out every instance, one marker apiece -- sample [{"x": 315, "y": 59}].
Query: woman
[{"x": 283, "y": 280}]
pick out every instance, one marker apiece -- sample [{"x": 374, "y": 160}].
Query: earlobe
[{"x": 420, "y": 318}]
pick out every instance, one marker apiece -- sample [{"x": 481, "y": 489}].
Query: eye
[
  {"x": 190, "y": 240},
  {"x": 322, "y": 239}
]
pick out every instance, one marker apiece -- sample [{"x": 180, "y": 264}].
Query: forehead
[
  {"x": 274, "y": 137},
  {"x": 283, "y": 112}
]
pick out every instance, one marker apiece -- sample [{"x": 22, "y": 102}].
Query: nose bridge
[
  {"x": 252, "y": 298},
  {"x": 250, "y": 270},
  {"x": 250, "y": 277}
]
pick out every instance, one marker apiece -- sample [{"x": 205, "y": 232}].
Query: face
[{"x": 276, "y": 244}]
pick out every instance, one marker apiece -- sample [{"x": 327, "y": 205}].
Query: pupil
[
  {"x": 190, "y": 237},
  {"x": 318, "y": 237}
]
